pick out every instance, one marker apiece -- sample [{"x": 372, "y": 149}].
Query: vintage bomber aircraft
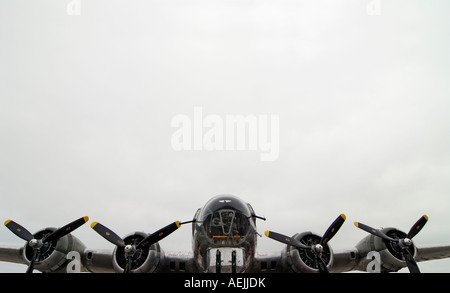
[{"x": 224, "y": 240}]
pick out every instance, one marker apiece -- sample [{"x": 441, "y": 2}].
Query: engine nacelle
[
  {"x": 391, "y": 259},
  {"x": 143, "y": 260},
  {"x": 53, "y": 256},
  {"x": 304, "y": 260}
]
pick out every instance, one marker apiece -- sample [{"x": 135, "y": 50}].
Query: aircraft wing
[
  {"x": 354, "y": 260},
  {"x": 98, "y": 261},
  {"x": 264, "y": 262},
  {"x": 101, "y": 261},
  {"x": 432, "y": 252},
  {"x": 345, "y": 261},
  {"x": 268, "y": 262},
  {"x": 177, "y": 262},
  {"x": 12, "y": 254}
]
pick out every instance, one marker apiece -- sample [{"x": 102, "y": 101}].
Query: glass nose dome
[{"x": 226, "y": 216}]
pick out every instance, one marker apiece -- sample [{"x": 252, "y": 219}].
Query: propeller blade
[
  {"x": 321, "y": 265},
  {"x": 108, "y": 234},
  {"x": 374, "y": 232},
  {"x": 128, "y": 265},
  {"x": 33, "y": 259},
  {"x": 410, "y": 262},
  {"x": 158, "y": 235},
  {"x": 19, "y": 230},
  {"x": 415, "y": 229},
  {"x": 63, "y": 231},
  {"x": 286, "y": 240},
  {"x": 332, "y": 230}
]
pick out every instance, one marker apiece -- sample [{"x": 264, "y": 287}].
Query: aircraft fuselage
[{"x": 224, "y": 235}]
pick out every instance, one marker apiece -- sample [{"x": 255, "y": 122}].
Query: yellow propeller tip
[
  {"x": 86, "y": 218},
  {"x": 178, "y": 224},
  {"x": 7, "y": 222},
  {"x": 356, "y": 224},
  {"x": 266, "y": 233},
  {"x": 93, "y": 224},
  {"x": 344, "y": 217},
  {"x": 426, "y": 217}
]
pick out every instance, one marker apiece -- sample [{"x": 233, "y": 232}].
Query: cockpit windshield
[{"x": 226, "y": 217}]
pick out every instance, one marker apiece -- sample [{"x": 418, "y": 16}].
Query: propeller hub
[
  {"x": 130, "y": 249},
  {"x": 406, "y": 242},
  {"x": 317, "y": 249},
  {"x": 35, "y": 243}
]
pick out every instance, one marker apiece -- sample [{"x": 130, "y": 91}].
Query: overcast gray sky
[{"x": 361, "y": 92}]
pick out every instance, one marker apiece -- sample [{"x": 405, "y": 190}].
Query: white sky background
[{"x": 86, "y": 103}]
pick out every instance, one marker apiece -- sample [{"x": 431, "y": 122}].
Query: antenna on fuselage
[{"x": 258, "y": 217}]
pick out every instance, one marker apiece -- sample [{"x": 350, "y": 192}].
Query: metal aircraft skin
[{"x": 224, "y": 241}]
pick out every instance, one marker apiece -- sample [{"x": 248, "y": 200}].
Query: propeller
[
  {"x": 316, "y": 249},
  {"x": 403, "y": 243},
  {"x": 43, "y": 244},
  {"x": 131, "y": 249}
]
